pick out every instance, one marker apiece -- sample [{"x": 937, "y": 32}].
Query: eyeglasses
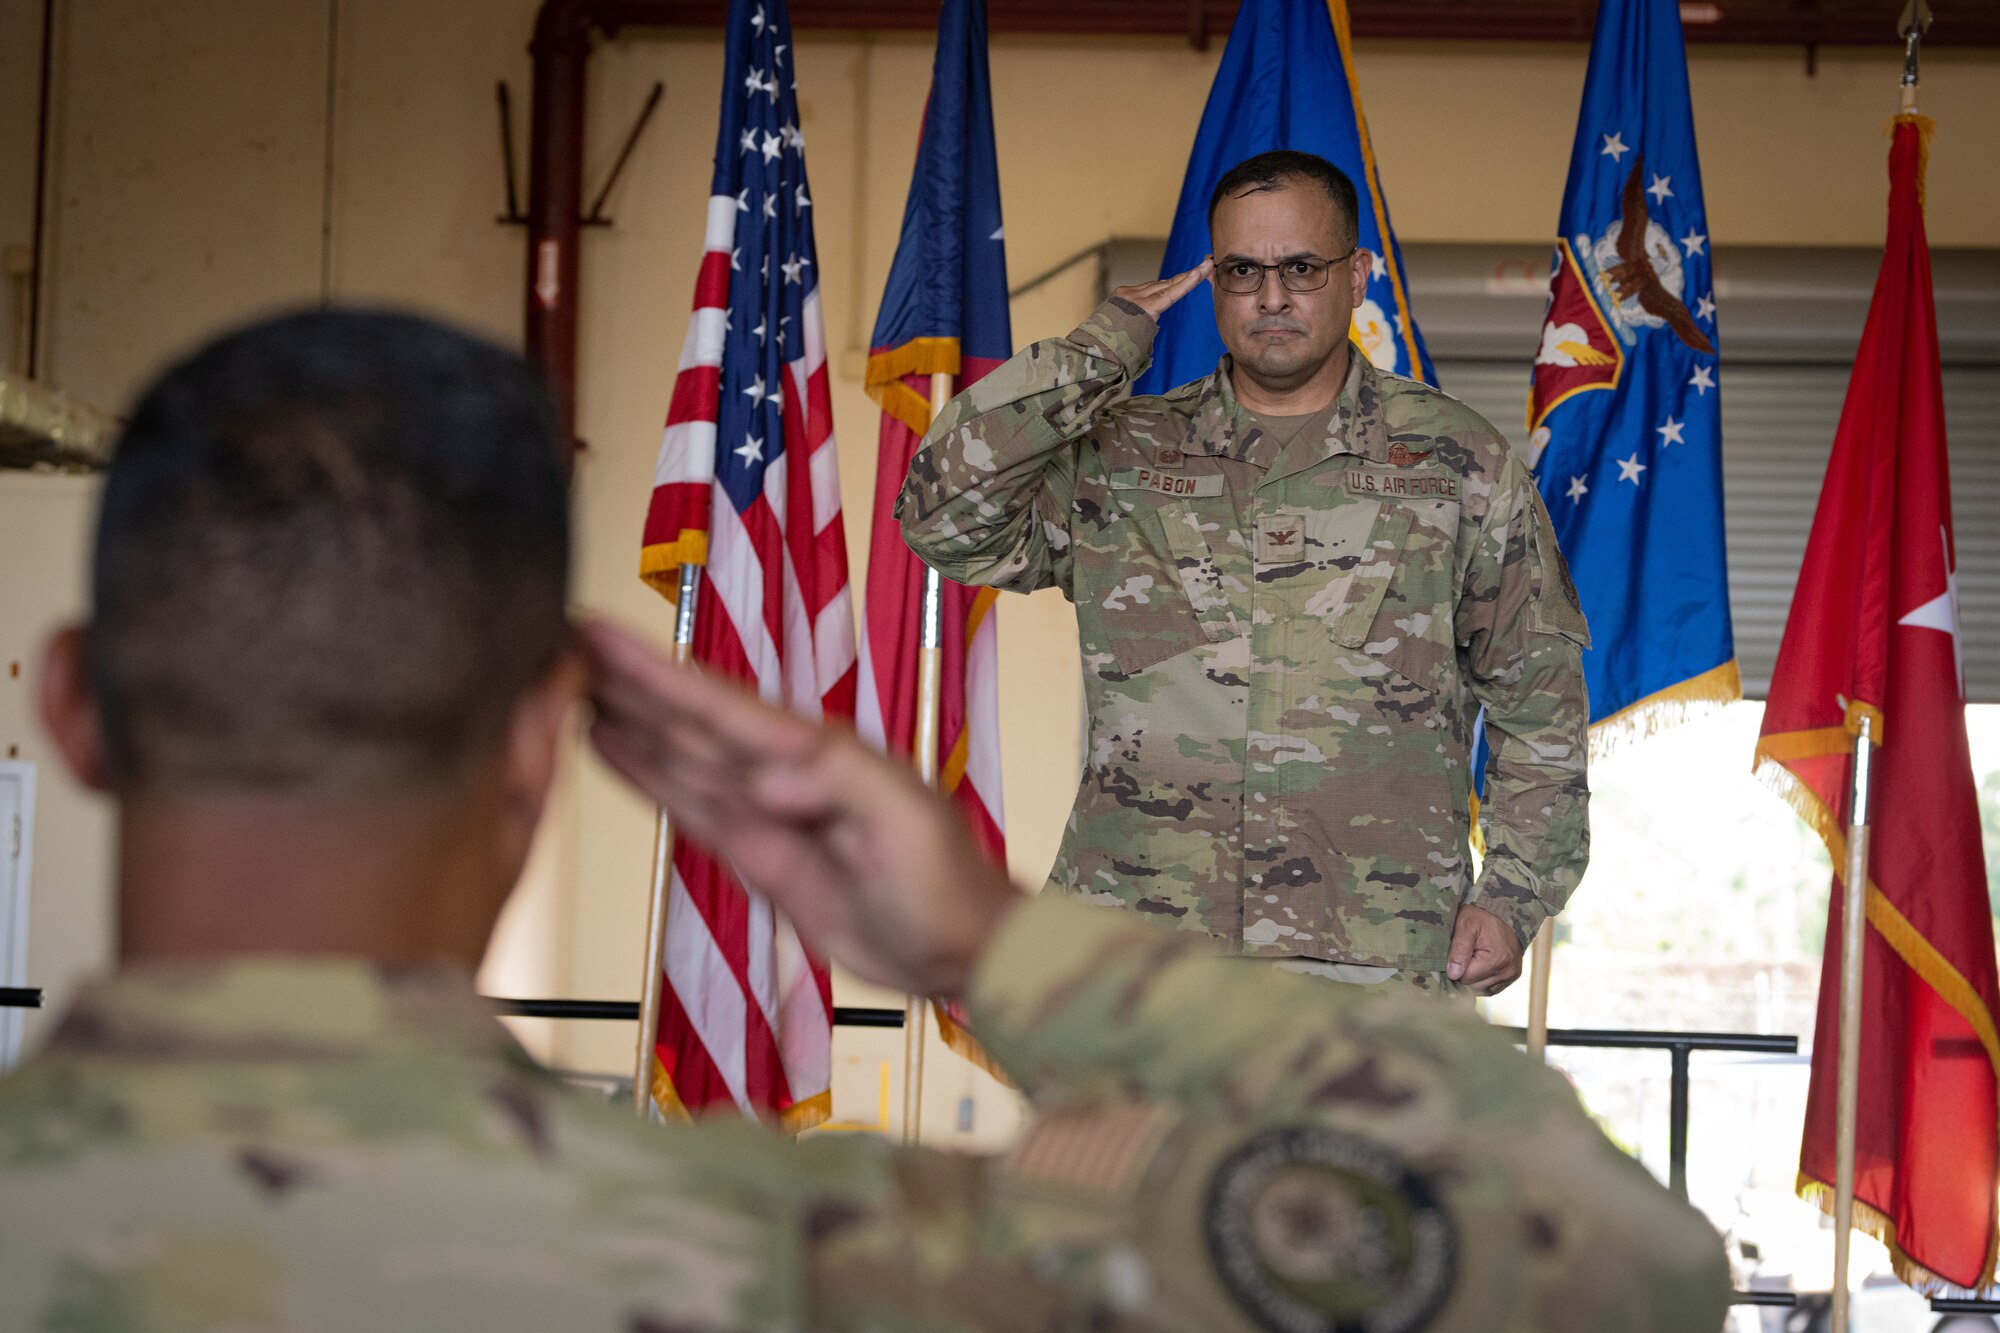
[{"x": 1242, "y": 277}]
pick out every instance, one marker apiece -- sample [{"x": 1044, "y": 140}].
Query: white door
[{"x": 17, "y": 834}]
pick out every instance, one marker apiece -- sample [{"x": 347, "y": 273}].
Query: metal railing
[
  {"x": 844, "y": 1016},
  {"x": 31, "y": 997},
  {"x": 1680, "y": 1047}
]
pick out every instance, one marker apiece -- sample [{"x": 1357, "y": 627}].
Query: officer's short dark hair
[
  {"x": 1285, "y": 166},
  {"x": 332, "y": 552}
]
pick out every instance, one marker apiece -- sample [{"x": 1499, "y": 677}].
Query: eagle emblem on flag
[{"x": 1602, "y": 292}]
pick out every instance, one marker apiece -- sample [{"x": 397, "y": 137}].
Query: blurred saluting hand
[{"x": 876, "y": 871}]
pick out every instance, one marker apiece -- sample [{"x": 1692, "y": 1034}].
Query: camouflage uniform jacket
[
  {"x": 273, "y": 1145},
  {"x": 1284, "y": 647},
  {"x": 283, "y": 1145}
]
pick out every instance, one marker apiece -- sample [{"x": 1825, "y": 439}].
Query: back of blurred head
[{"x": 325, "y": 676}]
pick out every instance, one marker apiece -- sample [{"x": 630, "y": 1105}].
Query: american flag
[{"x": 747, "y": 484}]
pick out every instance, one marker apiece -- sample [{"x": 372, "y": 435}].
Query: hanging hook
[{"x": 1911, "y": 26}]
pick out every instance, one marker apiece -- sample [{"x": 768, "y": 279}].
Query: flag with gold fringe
[
  {"x": 1624, "y": 417},
  {"x": 747, "y": 486},
  {"x": 1874, "y": 632},
  {"x": 944, "y": 312}
]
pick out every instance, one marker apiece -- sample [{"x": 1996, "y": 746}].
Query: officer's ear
[
  {"x": 69, "y": 710},
  {"x": 1358, "y": 270}
]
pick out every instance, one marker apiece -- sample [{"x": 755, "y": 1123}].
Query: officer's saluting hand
[{"x": 1156, "y": 296}]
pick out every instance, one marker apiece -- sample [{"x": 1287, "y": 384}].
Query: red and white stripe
[{"x": 746, "y": 1013}]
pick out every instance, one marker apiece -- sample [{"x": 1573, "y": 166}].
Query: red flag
[
  {"x": 1874, "y": 630},
  {"x": 746, "y": 485}
]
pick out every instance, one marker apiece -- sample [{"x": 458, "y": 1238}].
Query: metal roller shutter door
[{"x": 1777, "y": 426}]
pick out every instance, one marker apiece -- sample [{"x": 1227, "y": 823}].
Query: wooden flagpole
[
  {"x": 1543, "y": 952},
  {"x": 651, "y": 980},
  {"x": 930, "y": 674},
  {"x": 1853, "y": 928}
]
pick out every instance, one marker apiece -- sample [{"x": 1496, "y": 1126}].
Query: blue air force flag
[
  {"x": 1624, "y": 422},
  {"x": 1286, "y": 81}
]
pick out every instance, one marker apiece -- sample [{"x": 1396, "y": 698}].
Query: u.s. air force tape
[{"x": 1316, "y": 1231}]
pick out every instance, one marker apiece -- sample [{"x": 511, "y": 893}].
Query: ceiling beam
[{"x": 1754, "y": 22}]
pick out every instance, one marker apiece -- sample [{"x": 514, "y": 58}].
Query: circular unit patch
[{"x": 1317, "y": 1231}]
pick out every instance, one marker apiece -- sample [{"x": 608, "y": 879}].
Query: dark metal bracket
[
  {"x": 513, "y": 215},
  {"x": 594, "y": 217}
]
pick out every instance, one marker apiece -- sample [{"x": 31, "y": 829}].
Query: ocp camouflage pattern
[
  {"x": 317, "y": 1146},
  {"x": 1285, "y": 646},
  {"x": 1124, "y": 1034}
]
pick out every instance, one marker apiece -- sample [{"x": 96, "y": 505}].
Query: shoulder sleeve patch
[
  {"x": 1312, "y": 1228},
  {"x": 1098, "y": 1151},
  {"x": 1557, "y": 608}
]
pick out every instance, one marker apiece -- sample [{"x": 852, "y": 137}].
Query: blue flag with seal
[
  {"x": 1624, "y": 417},
  {"x": 1286, "y": 81}
]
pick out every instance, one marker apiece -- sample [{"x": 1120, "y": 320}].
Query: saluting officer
[{"x": 1297, "y": 580}]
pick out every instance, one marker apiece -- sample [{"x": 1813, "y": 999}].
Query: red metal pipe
[{"x": 561, "y": 50}]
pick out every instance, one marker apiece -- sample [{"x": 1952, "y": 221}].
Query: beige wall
[
  {"x": 43, "y": 527},
  {"x": 193, "y": 188}
]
